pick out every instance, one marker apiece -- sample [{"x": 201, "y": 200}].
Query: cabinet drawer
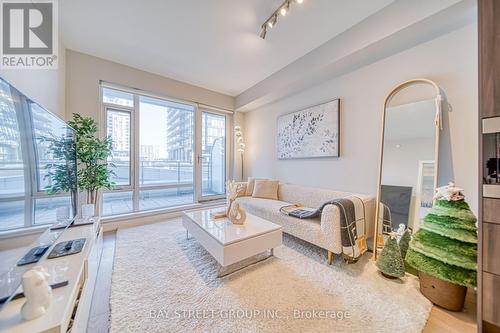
[
  {"x": 491, "y": 301},
  {"x": 491, "y": 247},
  {"x": 491, "y": 210}
]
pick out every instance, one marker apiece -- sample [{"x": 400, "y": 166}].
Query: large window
[
  {"x": 12, "y": 168},
  {"x": 29, "y": 135},
  {"x": 159, "y": 159}
]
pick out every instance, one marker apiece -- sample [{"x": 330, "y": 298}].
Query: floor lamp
[{"x": 240, "y": 145}]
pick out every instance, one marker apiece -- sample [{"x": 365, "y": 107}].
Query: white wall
[
  {"x": 84, "y": 72},
  {"x": 450, "y": 60},
  {"x": 44, "y": 86},
  {"x": 401, "y": 164}
]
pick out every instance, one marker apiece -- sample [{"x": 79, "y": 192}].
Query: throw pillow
[
  {"x": 266, "y": 189},
  {"x": 250, "y": 185}
]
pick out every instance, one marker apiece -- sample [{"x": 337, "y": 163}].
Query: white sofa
[{"x": 323, "y": 232}]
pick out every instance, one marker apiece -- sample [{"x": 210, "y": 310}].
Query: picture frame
[{"x": 312, "y": 132}]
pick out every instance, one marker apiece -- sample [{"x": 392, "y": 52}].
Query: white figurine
[
  {"x": 37, "y": 292},
  {"x": 449, "y": 192},
  {"x": 401, "y": 230}
]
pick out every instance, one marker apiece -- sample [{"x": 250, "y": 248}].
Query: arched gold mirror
[{"x": 408, "y": 157}]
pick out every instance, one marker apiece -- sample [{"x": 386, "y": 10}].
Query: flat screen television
[{"x": 38, "y": 187}]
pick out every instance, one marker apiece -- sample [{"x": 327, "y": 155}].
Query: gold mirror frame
[{"x": 439, "y": 126}]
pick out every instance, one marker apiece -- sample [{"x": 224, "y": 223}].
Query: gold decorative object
[
  {"x": 237, "y": 215},
  {"x": 234, "y": 212}
]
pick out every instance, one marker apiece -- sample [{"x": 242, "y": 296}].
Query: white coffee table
[{"x": 233, "y": 246}]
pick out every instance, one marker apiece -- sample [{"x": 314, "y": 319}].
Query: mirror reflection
[{"x": 408, "y": 167}]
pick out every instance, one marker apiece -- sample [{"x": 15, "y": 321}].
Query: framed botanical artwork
[{"x": 310, "y": 133}]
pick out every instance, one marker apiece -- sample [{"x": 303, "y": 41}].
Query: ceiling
[{"x": 211, "y": 44}]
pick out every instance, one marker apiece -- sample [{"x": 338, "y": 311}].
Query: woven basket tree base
[{"x": 442, "y": 293}]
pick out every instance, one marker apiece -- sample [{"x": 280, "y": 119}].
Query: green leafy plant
[
  {"x": 92, "y": 154},
  {"x": 445, "y": 247},
  {"x": 62, "y": 175}
]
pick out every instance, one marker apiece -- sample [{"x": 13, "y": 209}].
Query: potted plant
[
  {"x": 92, "y": 154},
  {"x": 444, "y": 250},
  {"x": 62, "y": 176}
]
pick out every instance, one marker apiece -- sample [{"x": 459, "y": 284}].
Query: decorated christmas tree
[
  {"x": 404, "y": 243},
  {"x": 445, "y": 247},
  {"x": 391, "y": 262}
]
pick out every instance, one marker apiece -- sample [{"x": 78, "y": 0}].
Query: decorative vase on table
[
  {"x": 234, "y": 212},
  {"x": 444, "y": 250},
  {"x": 237, "y": 215}
]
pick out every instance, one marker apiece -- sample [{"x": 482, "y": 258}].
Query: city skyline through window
[{"x": 155, "y": 165}]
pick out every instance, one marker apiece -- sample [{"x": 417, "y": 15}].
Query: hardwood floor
[
  {"x": 440, "y": 320},
  {"x": 100, "y": 311}
]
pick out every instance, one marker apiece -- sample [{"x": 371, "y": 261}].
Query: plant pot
[
  {"x": 445, "y": 294},
  {"x": 88, "y": 211}
]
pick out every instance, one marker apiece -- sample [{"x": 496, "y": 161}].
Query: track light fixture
[
  {"x": 263, "y": 33},
  {"x": 284, "y": 8},
  {"x": 272, "y": 20}
]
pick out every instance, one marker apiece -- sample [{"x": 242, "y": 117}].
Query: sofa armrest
[
  {"x": 330, "y": 226},
  {"x": 330, "y": 222}
]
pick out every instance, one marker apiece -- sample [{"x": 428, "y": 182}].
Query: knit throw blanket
[{"x": 352, "y": 223}]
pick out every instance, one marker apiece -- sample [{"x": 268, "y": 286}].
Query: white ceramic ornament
[{"x": 37, "y": 292}]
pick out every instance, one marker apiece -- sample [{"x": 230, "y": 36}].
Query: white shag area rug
[{"x": 163, "y": 282}]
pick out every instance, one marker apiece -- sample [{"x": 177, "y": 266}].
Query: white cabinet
[{"x": 70, "y": 305}]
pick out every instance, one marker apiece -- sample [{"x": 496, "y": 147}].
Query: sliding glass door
[
  {"x": 166, "y": 150},
  {"x": 166, "y": 153},
  {"x": 213, "y": 159}
]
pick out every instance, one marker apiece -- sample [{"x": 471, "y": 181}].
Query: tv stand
[{"x": 70, "y": 305}]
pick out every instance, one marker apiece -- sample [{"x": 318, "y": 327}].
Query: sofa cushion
[
  {"x": 265, "y": 189},
  {"x": 250, "y": 185},
  {"x": 306, "y": 229}
]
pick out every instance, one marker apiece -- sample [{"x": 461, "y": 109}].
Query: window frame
[{"x": 135, "y": 186}]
